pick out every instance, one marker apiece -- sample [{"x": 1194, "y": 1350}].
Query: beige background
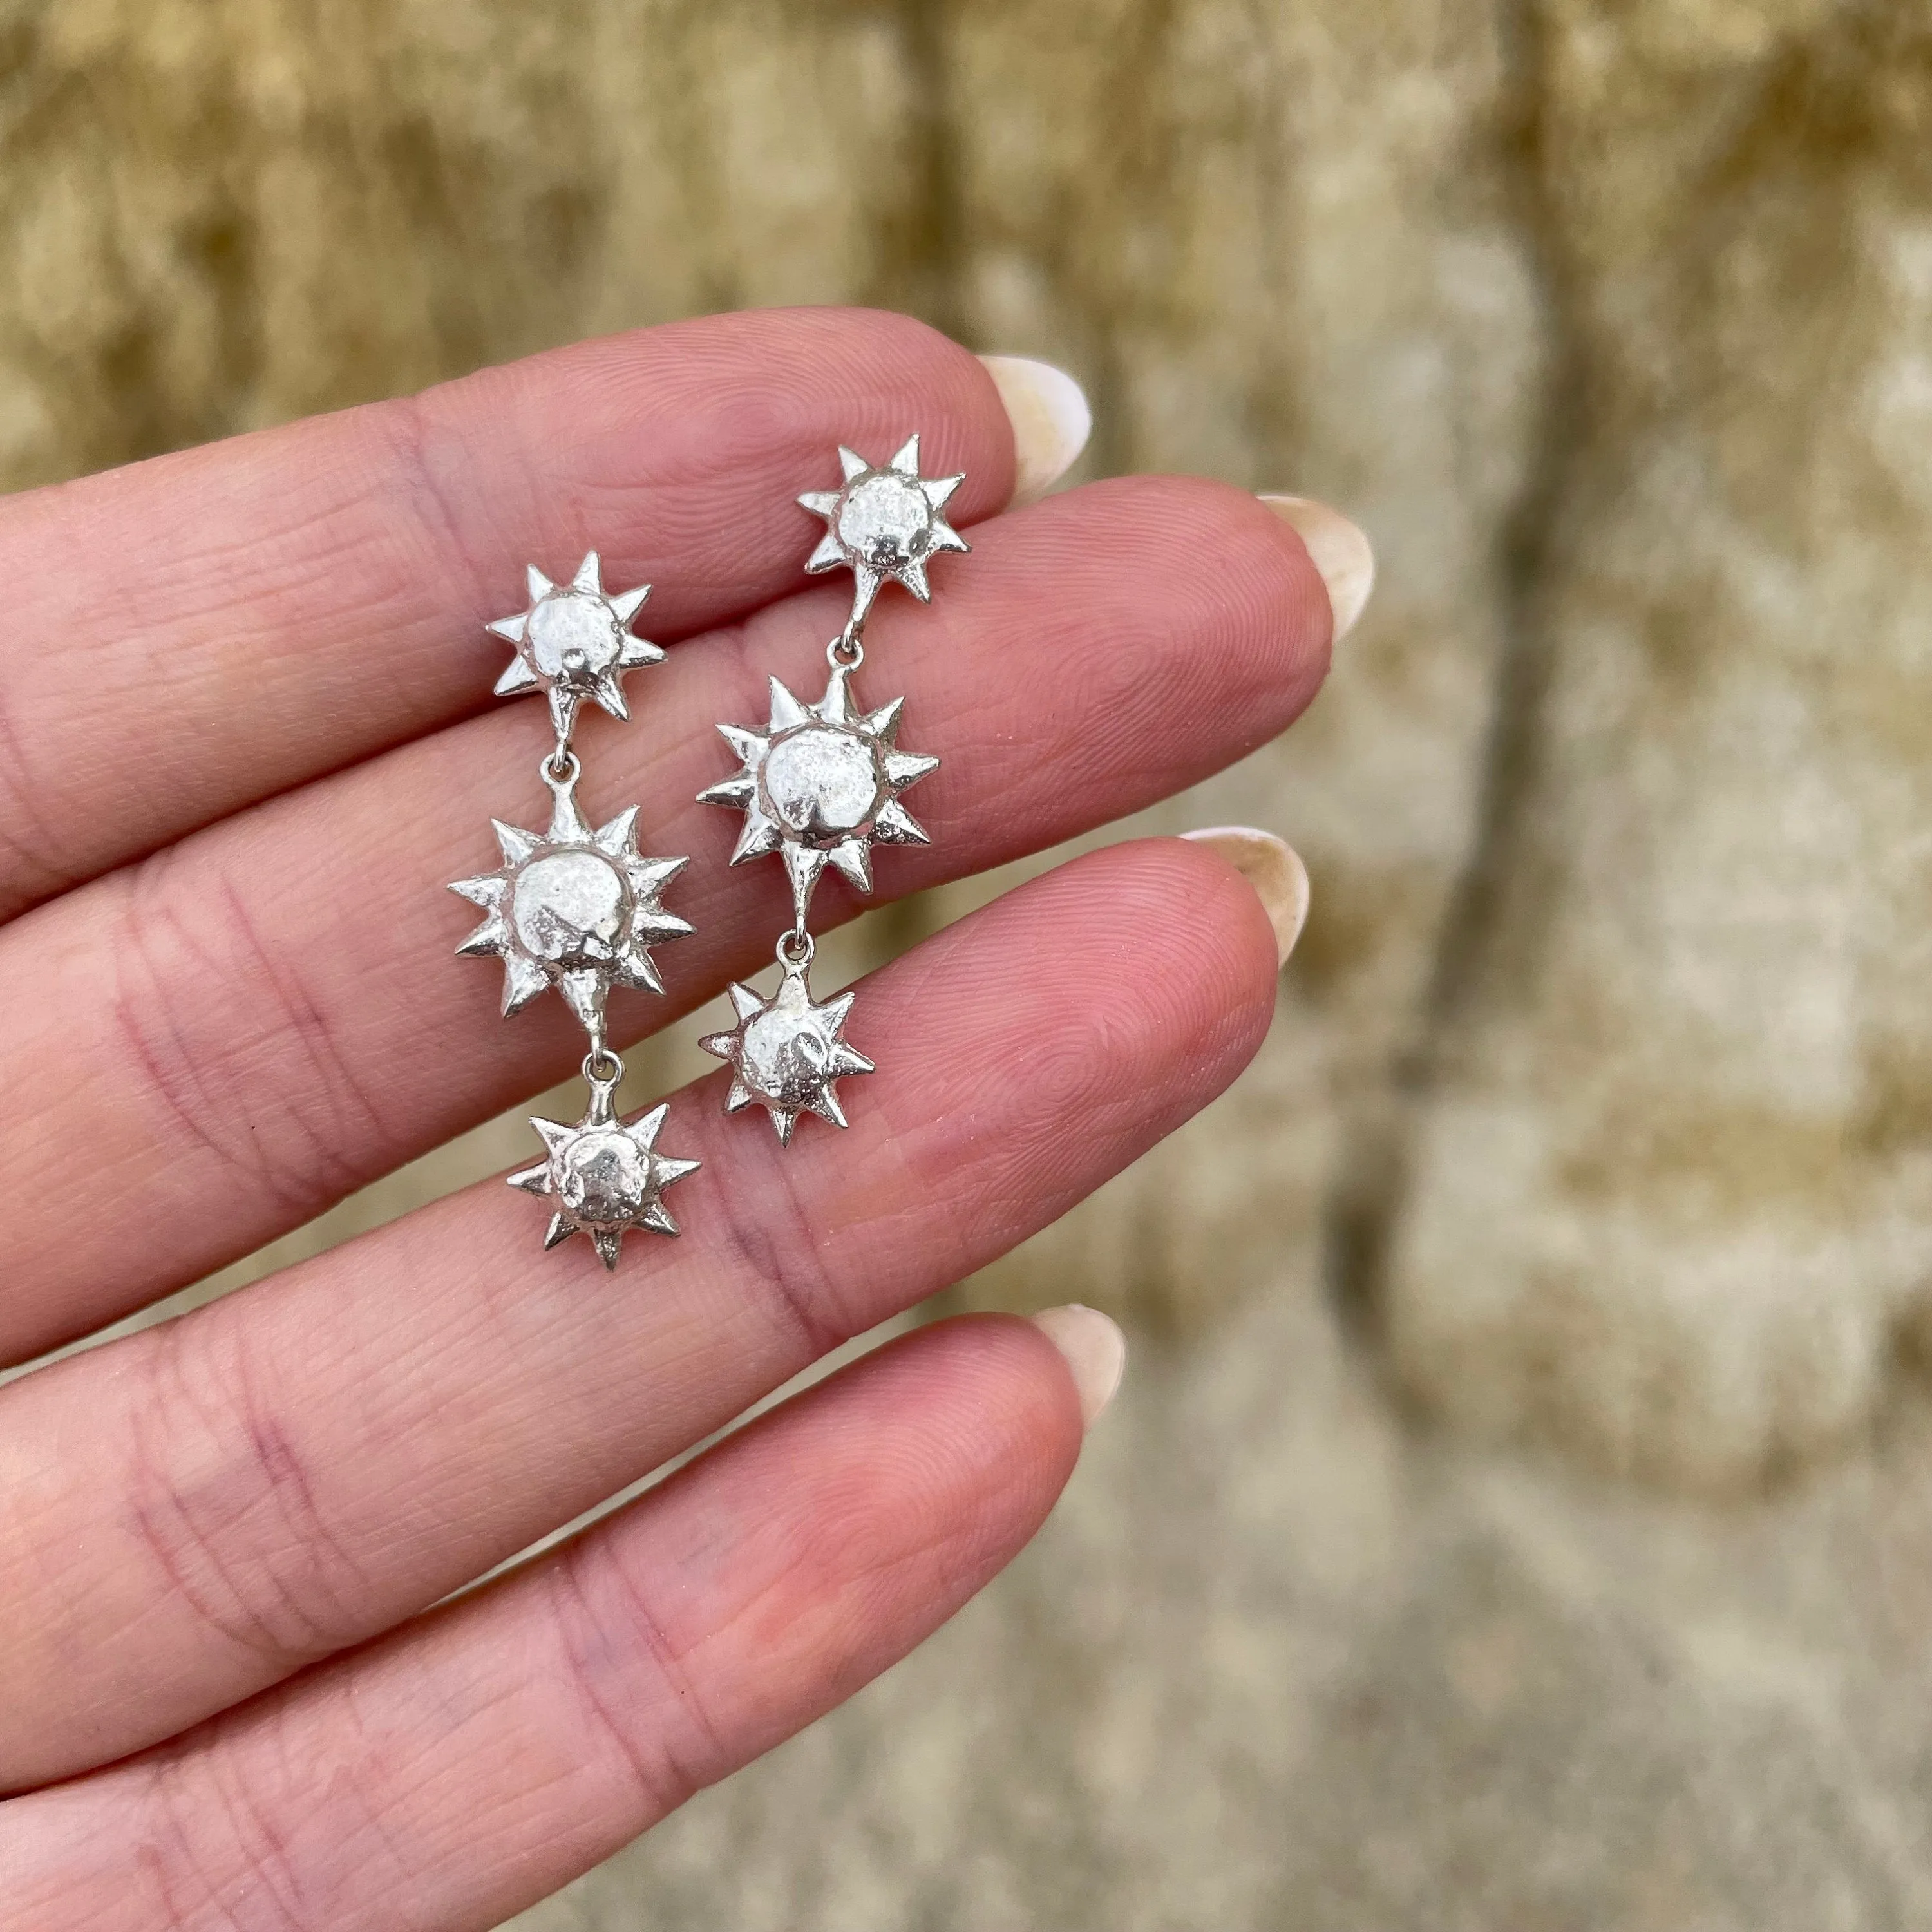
[{"x": 1519, "y": 1511}]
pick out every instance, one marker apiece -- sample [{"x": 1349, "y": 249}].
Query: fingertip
[
  {"x": 989, "y": 1394},
  {"x": 1228, "y": 918},
  {"x": 1272, "y": 868},
  {"x": 1095, "y": 1351},
  {"x": 1339, "y": 548},
  {"x": 1217, "y": 559},
  {"x": 1051, "y": 420}
]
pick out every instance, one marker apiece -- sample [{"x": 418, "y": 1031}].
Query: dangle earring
[
  {"x": 579, "y": 909},
  {"x": 821, "y": 784}
]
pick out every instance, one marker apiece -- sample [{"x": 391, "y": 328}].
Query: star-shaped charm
[
  {"x": 787, "y": 1054},
  {"x": 884, "y": 523},
  {"x": 822, "y": 782},
  {"x": 575, "y": 642},
  {"x": 606, "y": 1178},
  {"x": 574, "y": 909}
]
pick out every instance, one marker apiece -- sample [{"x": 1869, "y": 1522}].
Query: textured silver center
[
  {"x": 820, "y": 782},
  {"x": 785, "y": 1056},
  {"x": 886, "y": 520},
  {"x": 573, "y": 635},
  {"x": 570, "y": 908},
  {"x": 604, "y": 1179}
]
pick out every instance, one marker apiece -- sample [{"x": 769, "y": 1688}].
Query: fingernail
[
  {"x": 1273, "y": 868},
  {"x": 1048, "y": 409},
  {"x": 1095, "y": 1349},
  {"x": 1338, "y": 549}
]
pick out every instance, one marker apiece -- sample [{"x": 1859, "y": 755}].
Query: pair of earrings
[{"x": 579, "y": 909}]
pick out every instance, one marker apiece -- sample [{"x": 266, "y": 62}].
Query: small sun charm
[
  {"x": 575, "y": 642},
  {"x": 884, "y": 523},
  {"x": 579, "y": 909},
  {"x": 606, "y": 1178},
  {"x": 820, "y": 785},
  {"x": 786, "y": 1053},
  {"x": 573, "y": 908}
]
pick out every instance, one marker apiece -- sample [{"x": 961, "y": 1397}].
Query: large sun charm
[
  {"x": 574, "y": 909},
  {"x": 574, "y": 642},
  {"x": 884, "y": 523},
  {"x": 787, "y": 1054},
  {"x": 821, "y": 782},
  {"x": 606, "y": 1178}
]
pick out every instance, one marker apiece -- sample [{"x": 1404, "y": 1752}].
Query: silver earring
[
  {"x": 821, "y": 784},
  {"x": 579, "y": 909}
]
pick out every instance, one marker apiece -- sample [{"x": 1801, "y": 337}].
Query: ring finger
[{"x": 195, "y": 1511}]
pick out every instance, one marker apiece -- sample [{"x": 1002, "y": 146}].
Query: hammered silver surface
[
  {"x": 573, "y": 908},
  {"x": 605, "y": 1178},
  {"x": 884, "y": 523},
  {"x": 821, "y": 784},
  {"x": 787, "y": 1054},
  {"x": 886, "y": 519},
  {"x": 574, "y": 642},
  {"x": 573, "y": 633}
]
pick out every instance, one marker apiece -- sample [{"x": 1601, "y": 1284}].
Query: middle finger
[{"x": 288, "y": 1022}]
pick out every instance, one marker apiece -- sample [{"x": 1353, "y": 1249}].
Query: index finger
[{"x": 190, "y": 635}]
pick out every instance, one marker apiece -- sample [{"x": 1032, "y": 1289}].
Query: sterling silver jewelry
[
  {"x": 820, "y": 785},
  {"x": 579, "y": 909}
]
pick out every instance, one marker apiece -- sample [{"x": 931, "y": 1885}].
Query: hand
[{"x": 245, "y": 737}]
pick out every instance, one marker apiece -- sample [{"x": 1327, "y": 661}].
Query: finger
[
  {"x": 230, "y": 621},
  {"x": 288, "y": 1021},
  {"x": 481, "y": 1759},
  {"x": 192, "y": 1513}
]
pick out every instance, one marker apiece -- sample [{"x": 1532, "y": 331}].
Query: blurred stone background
[{"x": 1519, "y": 1511}]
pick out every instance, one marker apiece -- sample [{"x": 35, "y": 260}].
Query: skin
[{"x": 226, "y": 802}]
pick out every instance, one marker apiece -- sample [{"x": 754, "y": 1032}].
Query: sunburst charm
[
  {"x": 821, "y": 783},
  {"x": 574, "y": 909},
  {"x": 575, "y": 642},
  {"x": 787, "y": 1054},
  {"x": 884, "y": 523},
  {"x": 606, "y": 1178},
  {"x": 579, "y": 910}
]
